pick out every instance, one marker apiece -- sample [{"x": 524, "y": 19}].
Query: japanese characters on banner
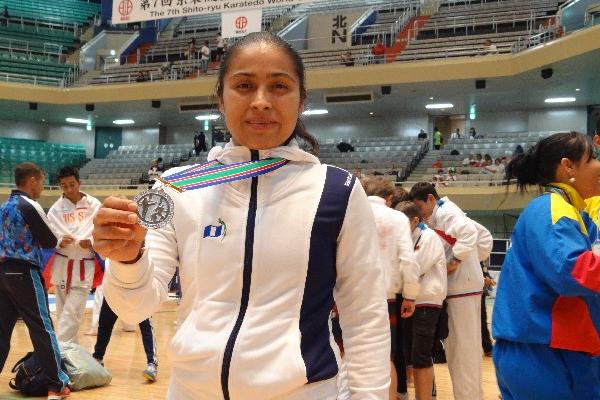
[
  {"x": 125, "y": 11},
  {"x": 331, "y": 30},
  {"x": 241, "y": 23}
]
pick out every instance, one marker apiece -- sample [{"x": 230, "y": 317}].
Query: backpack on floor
[{"x": 30, "y": 378}]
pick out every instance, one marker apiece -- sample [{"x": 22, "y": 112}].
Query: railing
[
  {"x": 46, "y": 23},
  {"x": 36, "y": 80},
  {"x": 477, "y": 21},
  {"x": 537, "y": 39}
]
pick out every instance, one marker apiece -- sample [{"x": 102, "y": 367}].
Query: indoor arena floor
[{"x": 125, "y": 359}]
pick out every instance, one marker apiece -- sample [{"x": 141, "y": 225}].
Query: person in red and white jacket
[
  {"x": 429, "y": 252},
  {"x": 401, "y": 271},
  {"x": 465, "y": 285},
  {"x": 73, "y": 267}
]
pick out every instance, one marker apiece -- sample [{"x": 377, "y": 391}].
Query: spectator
[
  {"x": 467, "y": 160},
  {"x": 204, "y": 56},
  {"x": 478, "y": 162},
  {"x": 378, "y": 52},
  {"x": 220, "y": 46},
  {"x": 489, "y": 47},
  {"x": 455, "y": 135},
  {"x": 472, "y": 133},
  {"x": 518, "y": 150},
  {"x": 422, "y": 135},
  {"x": 437, "y": 138},
  {"x": 153, "y": 173},
  {"x": 4, "y": 17},
  {"x": 347, "y": 59},
  {"x": 437, "y": 164},
  {"x": 497, "y": 168},
  {"x": 199, "y": 143},
  {"x": 160, "y": 165},
  {"x": 344, "y": 147},
  {"x": 191, "y": 50},
  {"x": 487, "y": 160}
]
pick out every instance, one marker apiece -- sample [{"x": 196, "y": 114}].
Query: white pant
[
  {"x": 69, "y": 312},
  {"x": 463, "y": 347}
]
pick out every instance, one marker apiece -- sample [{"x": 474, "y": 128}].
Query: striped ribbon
[{"x": 214, "y": 173}]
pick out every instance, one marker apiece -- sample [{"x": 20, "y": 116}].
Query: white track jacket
[
  {"x": 261, "y": 262},
  {"x": 429, "y": 251},
  {"x": 459, "y": 236},
  {"x": 396, "y": 253}
]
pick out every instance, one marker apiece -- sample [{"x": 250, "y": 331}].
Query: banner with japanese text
[
  {"x": 331, "y": 30},
  {"x": 126, "y": 11}
]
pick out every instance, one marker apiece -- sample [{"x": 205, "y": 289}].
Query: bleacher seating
[
  {"x": 497, "y": 145},
  {"x": 128, "y": 165},
  {"x": 381, "y": 155},
  {"x": 460, "y": 31},
  {"x": 38, "y": 36},
  {"x": 67, "y": 12},
  {"x": 50, "y": 156}
]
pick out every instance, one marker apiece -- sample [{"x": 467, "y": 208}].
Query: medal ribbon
[{"x": 214, "y": 173}]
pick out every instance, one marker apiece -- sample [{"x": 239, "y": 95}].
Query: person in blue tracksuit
[
  {"x": 546, "y": 318},
  {"x": 24, "y": 233}
]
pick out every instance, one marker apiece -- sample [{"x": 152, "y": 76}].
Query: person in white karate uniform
[{"x": 74, "y": 266}]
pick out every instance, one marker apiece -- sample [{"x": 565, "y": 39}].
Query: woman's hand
[{"x": 117, "y": 235}]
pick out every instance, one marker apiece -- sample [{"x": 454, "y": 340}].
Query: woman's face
[
  {"x": 261, "y": 96},
  {"x": 587, "y": 177}
]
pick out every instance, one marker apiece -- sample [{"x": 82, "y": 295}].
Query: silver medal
[{"x": 155, "y": 208}]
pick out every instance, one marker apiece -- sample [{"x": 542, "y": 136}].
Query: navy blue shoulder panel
[{"x": 318, "y": 299}]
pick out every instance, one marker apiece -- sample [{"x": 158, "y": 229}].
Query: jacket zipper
[{"x": 246, "y": 281}]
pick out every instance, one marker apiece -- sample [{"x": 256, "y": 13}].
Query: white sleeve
[
  {"x": 361, "y": 299},
  {"x": 86, "y": 227},
  {"x": 136, "y": 291},
  {"x": 409, "y": 268},
  {"x": 431, "y": 251},
  {"x": 485, "y": 241},
  {"x": 57, "y": 224},
  {"x": 463, "y": 230}
]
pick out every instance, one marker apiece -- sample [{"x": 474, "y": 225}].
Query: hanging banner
[
  {"x": 241, "y": 23},
  {"x": 126, "y": 11},
  {"x": 331, "y": 30}
]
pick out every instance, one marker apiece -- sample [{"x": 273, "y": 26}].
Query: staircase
[{"x": 421, "y": 168}]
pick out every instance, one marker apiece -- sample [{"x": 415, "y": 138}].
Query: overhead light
[
  {"x": 209, "y": 117},
  {"x": 371, "y": 113},
  {"x": 560, "y": 100},
  {"x": 112, "y": 52},
  {"x": 431, "y": 98},
  {"x": 577, "y": 90},
  {"x": 439, "y": 106},
  {"x": 123, "y": 122},
  {"x": 76, "y": 120},
  {"x": 315, "y": 112}
]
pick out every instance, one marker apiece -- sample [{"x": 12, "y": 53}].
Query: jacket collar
[
  {"x": 376, "y": 200},
  {"x": 17, "y": 192},
  {"x": 232, "y": 153},
  {"x": 572, "y": 196}
]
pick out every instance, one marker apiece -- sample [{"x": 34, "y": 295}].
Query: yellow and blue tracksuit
[
  {"x": 546, "y": 317},
  {"x": 24, "y": 232}
]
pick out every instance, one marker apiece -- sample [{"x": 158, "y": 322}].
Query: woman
[
  {"x": 547, "y": 311},
  {"x": 260, "y": 259}
]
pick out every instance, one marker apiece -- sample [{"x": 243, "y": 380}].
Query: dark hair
[
  {"x": 378, "y": 187},
  {"x": 410, "y": 209},
  {"x": 538, "y": 165},
  {"x": 68, "y": 171},
  {"x": 400, "y": 195},
  {"x": 26, "y": 170},
  {"x": 421, "y": 190},
  {"x": 276, "y": 41}
]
